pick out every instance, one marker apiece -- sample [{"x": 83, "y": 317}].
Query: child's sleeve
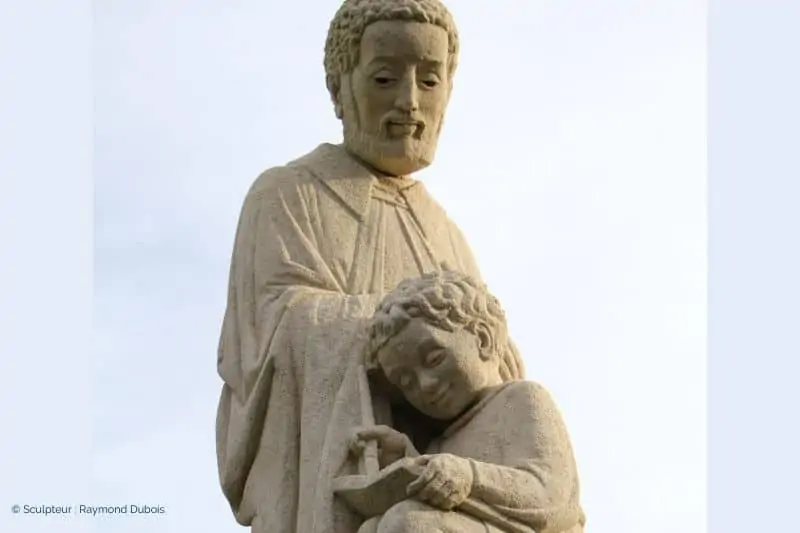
[{"x": 537, "y": 484}]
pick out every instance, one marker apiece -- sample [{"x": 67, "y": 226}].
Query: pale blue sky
[{"x": 573, "y": 157}]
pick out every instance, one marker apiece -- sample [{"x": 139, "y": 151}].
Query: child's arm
[
  {"x": 523, "y": 487},
  {"x": 534, "y": 480},
  {"x": 537, "y": 483}
]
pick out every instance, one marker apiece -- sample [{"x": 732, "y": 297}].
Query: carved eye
[
  {"x": 383, "y": 80},
  {"x": 434, "y": 358}
]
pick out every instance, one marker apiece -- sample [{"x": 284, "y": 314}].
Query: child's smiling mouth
[{"x": 439, "y": 397}]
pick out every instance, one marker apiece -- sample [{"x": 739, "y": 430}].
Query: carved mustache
[{"x": 405, "y": 121}]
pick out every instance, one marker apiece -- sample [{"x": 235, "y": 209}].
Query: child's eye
[{"x": 434, "y": 358}]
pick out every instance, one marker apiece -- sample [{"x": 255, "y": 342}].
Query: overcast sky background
[{"x": 573, "y": 158}]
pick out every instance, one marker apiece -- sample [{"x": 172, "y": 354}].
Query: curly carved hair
[
  {"x": 348, "y": 25},
  {"x": 450, "y": 301}
]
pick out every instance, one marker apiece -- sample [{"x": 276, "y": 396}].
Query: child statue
[{"x": 502, "y": 459}]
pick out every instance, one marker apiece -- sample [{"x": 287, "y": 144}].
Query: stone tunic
[{"x": 521, "y": 457}]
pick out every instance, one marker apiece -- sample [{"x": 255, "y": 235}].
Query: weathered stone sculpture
[
  {"x": 319, "y": 242},
  {"x": 502, "y": 460}
]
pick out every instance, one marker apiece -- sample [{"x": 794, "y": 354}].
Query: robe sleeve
[
  {"x": 284, "y": 302},
  {"x": 538, "y": 484}
]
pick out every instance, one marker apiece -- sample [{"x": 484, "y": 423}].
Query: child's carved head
[{"x": 442, "y": 340}]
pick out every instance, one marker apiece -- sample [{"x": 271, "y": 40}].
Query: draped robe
[
  {"x": 319, "y": 242},
  {"x": 521, "y": 457}
]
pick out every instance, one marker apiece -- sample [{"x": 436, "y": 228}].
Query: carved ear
[
  {"x": 335, "y": 90},
  {"x": 336, "y": 97},
  {"x": 485, "y": 341}
]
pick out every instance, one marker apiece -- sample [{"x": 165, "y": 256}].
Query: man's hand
[
  {"x": 445, "y": 482},
  {"x": 392, "y": 444}
]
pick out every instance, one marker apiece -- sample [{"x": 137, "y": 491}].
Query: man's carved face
[{"x": 394, "y": 101}]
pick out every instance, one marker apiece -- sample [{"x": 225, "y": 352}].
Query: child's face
[{"x": 441, "y": 373}]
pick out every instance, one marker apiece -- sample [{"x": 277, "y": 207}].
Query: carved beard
[{"x": 395, "y": 157}]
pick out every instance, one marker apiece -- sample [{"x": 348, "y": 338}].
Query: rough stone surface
[{"x": 369, "y": 384}]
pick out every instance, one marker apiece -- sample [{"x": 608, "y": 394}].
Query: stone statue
[
  {"x": 502, "y": 460},
  {"x": 320, "y": 241}
]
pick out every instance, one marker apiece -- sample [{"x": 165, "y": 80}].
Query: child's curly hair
[{"x": 448, "y": 300}]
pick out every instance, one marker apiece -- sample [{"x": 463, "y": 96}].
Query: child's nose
[{"x": 428, "y": 383}]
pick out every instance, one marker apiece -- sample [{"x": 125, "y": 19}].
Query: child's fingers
[
  {"x": 423, "y": 479},
  {"x": 422, "y": 460},
  {"x": 376, "y": 432},
  {"x": 434, "y": 491},
  {"x": 357, "y": 445},
  {"x": 448, "y": 500}
]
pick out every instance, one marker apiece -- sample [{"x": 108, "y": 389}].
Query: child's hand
[
  {"x": 392, "y": 444},
  {"x": 445, "y": 482}
]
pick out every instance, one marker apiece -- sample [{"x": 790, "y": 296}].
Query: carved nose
[
  {"x": 407, "y": 99},
  {"x": 428, "y": 383}
]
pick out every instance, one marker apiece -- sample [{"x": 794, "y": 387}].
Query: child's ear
[{"x": 485, "y": 341}]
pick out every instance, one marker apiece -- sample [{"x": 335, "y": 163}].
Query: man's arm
[{"x": 281, "y": 293}]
